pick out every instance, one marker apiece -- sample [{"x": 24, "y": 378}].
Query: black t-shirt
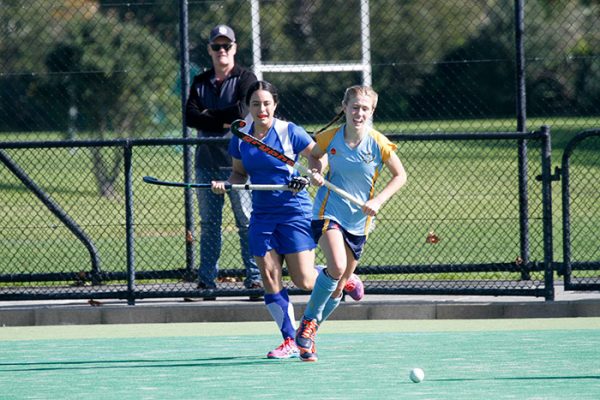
[{"x": 211, "y": 104}]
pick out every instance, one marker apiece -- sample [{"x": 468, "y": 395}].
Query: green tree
[
  {"x": 162, "y": 19},
  {"x": 562, "y": 48},
  {"x": 120, "y": 78},
  {"x": 475, "y": 78},
  {"x": 27, "y": 32},
  {"x": 117, "y": 75},
  {"x": 123, "y": 76}
]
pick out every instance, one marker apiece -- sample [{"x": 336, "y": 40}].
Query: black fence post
[
  {"x": 547, "y": 212},
  {"x": 187, "y": 150},
  {"x": 566, "y": 212},
  {"x": 522, "y": 143},
  {"x": 129, "y": 224}
]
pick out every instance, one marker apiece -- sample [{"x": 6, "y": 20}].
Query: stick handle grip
[
  {"x": 189, "y": 185},
  {"x": 249, "y": 186}
]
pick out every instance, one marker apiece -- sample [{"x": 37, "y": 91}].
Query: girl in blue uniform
[
  {"x": 280, "y": 222},
  {"x": 356, "y": 154}
]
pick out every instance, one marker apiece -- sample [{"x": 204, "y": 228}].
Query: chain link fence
[
  {"x": 454, "y": 229},
  {"x": 103, "y": 74},
  {"x": 84, "y": 68}
]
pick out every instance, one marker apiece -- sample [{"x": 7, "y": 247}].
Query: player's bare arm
[
  {"x": 394, "y": 165},
  {"x": 238, "y": 175},
  {"x": 317, "y": 162}
]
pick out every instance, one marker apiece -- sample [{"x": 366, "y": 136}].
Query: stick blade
[{"x": 150, "y": 179}]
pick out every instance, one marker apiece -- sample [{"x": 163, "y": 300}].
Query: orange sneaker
[{"x": 305, "y": 339}]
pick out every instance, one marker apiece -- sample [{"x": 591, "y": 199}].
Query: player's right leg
[{"x": 278, "y": 303}]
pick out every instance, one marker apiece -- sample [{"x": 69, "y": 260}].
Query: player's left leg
[
  {"x": 334, "y": 301},
  {"x": 332, "y": 244}
]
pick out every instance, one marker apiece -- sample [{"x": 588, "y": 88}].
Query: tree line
[{"x": 111, "y": 68}]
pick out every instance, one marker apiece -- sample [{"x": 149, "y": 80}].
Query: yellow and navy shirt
[{"x": 353, "y": 169}]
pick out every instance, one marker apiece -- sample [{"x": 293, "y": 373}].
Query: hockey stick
[
  {"x": 154, "y": 181},
  {"x": 240, "y": 123}
]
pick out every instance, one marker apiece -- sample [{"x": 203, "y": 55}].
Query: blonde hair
[
  {"x": 350, "y": 93},
  {"x": 356, "y": 90}
]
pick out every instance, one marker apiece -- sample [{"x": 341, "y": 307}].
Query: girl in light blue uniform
[
  {"x": 356, "y": 154},
  {"x": 280, "y": 222}
]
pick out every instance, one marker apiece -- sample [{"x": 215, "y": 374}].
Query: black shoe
[
  {"x": 209, "y": 296},
  {"x": 258, "y": 296}
]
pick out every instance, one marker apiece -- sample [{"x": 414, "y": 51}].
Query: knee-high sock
[
  {"x": 324, "y": 286},
  {"x": 330, "y": 306},
  {"x": 282, "y": 311}
]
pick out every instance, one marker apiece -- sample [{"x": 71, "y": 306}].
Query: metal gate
[{"x": 581, "y": 212}]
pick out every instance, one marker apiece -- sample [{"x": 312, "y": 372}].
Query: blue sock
[
  {"x": 330, "y": 306},
  {"x": 282, "y": 311},
  {"x": 324, "y": 286}
]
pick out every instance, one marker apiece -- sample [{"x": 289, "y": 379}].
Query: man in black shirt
[{"x": 216, "y": 99}]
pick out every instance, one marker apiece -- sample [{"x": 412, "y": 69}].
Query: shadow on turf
[
  {"x": 113, "y": 364},
  {"x": 516, "y": 378}
]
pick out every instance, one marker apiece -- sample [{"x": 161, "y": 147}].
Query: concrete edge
[{"x": 229, "y": 311}]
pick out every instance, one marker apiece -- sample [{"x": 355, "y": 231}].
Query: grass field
[
  {"x": 472, "y": 359},
  {"x": 464, "y": 191}
]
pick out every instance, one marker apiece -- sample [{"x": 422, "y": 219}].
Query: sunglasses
[{"x": 217, "y": 47}]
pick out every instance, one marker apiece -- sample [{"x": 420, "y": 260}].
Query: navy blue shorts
[{"x": 354, "y": 242}]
